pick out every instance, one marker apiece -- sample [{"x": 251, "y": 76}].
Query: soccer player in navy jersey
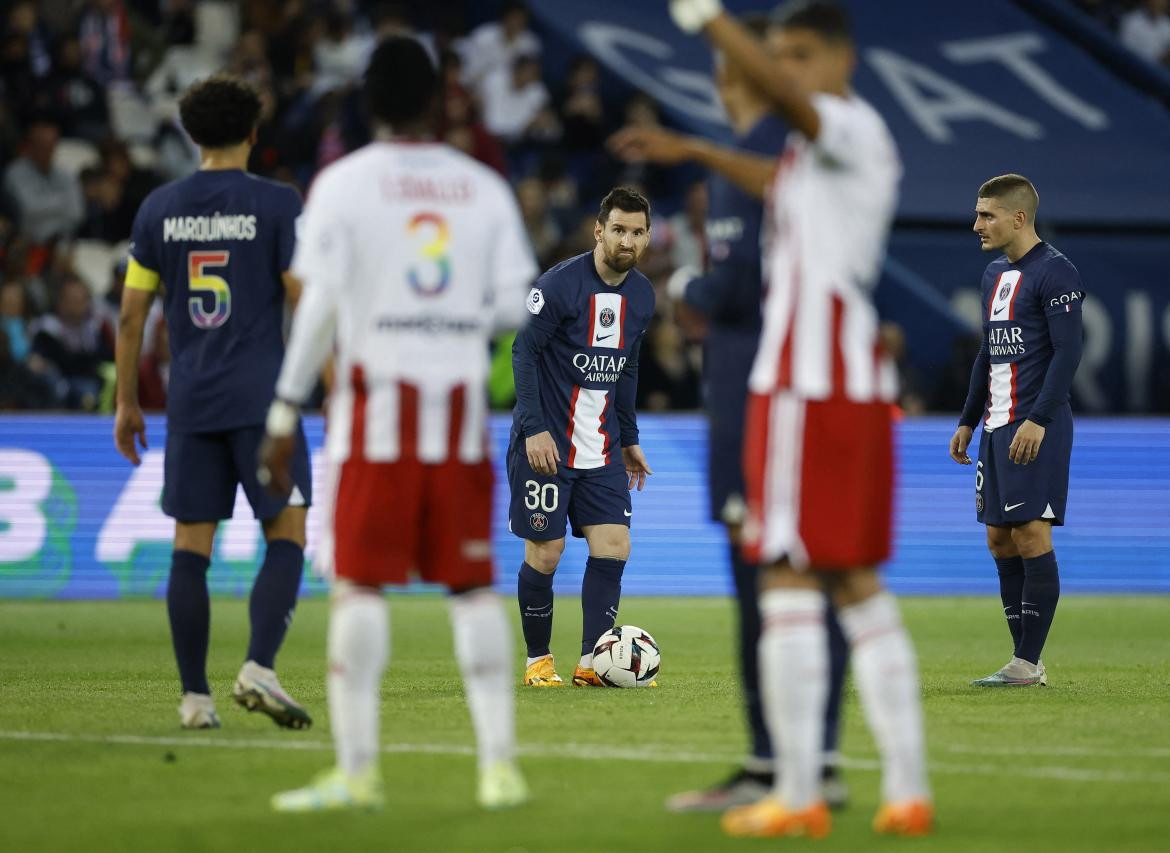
[
  {"x": 728, "y": 295},
  {"x": 1032, "y": 334},
  {"x": 219, "y": 243},
  {"x": 574, "y": 453}
]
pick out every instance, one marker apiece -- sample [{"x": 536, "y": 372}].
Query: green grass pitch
[{"x": 91, "y": 757}]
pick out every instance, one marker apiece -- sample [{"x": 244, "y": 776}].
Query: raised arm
[{"x": 749, "y": 171}]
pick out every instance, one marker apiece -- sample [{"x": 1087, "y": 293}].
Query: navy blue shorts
[
  {"x": 541, "y": 504},
  {"x": 1007, "y": 493},
  {"x": 202, "y": 470}
]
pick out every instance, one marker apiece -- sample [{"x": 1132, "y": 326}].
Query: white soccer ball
[{"x": 626, "y": 656}]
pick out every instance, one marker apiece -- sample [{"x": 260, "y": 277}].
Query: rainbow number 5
[
  {"x": 201, "y": 284},
  {"x": 431, "y": 274}
]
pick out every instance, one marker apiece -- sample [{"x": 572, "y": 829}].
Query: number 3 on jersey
[{"x": 200, "y": 284}]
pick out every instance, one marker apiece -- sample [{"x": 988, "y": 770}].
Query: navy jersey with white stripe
[
  {"x": 587, "y": 334},
  {"x": 219, "y": 241},
  {"x": 1018, "y": 299}
]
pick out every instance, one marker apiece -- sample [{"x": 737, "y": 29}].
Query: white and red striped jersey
[
  {"x": 412, "y": 255},
  {"x": 829, "y": 209}
]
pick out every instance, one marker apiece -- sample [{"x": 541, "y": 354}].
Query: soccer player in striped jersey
[
  {"x": 219, "y": 243},
  {"x": 412, "y": 254},
  {"x": 819, "y": 445},
  {"x": 574, "y": 453},
  {"x": 1032, "y": 298}
]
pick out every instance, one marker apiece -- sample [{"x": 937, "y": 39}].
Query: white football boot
[
  {"x": 1015, "y": 673},
  {"x": 258, "y": 689},
  {"x": 197, "y": 711}
]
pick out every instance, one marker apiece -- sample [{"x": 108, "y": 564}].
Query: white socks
[
  {"x": 358, "y": 649},
  {"x": 886, "y": 670},
  {"x": 794, "y": 681},
  {"x": 483, "y": 648}
]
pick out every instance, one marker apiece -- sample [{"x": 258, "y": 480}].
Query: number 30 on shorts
[{"x": 545, "y": 497}]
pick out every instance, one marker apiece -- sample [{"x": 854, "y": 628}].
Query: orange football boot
[
  {"x": 912, "y": 817},
  {"x": 542, "y": 673},
  {"x": 583, "y": 677},
  {"x": 769, "y": 818}
]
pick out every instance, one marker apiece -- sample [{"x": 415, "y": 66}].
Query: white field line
[{"x": 599, "y": 753}]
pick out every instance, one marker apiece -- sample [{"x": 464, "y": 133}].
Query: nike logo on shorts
[
  {"x": 628, "y": 513},
  {"x": 1007, "y": 508}
]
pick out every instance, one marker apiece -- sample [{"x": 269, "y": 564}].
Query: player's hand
[
  {"x": 653, "y": 144},
  {"x": 128, "y": 425},
  {"x": 959, "y": 443},
  {"x": 542, "y": 452},
  {"x": 274, "y": 466},
  {"x": 1026, "y": 445},
  {"x": 690, "y": 16},
  {"x": 637, "y": 468}
]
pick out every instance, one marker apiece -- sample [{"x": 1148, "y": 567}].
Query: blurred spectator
[
  {"x": 105, "y": 41},
  {"x": 15, "y": 312},
  {"x": 25, "y": 21},
  {"x": 667, "y": 379},
  {"x": 515, "y": 100},
  {"x": 495, "y": 46},
  {"x": 48, "y": 200},
  {"x": 542, "y": 228},
  {"x": 76, "y": 100},
  {"x": 1146, "y": 30},
  {"x": 341, "y": 53},
  {"x": 178, "y": 24},
  {"x": 688, "y": 229},
  {"x": 20, "y": 387},
  {"x": 582, "y": 110},
  {"x": 459, "y": 123},
  {"x": 113, "y": 193},
  {"x": 910, "y": 390},
  {"x": 70, "y": 340}
]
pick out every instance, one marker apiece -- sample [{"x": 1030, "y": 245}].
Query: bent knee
[
  {"x": 544, "y": 556},
  {"x": 1001, "y": 542}
]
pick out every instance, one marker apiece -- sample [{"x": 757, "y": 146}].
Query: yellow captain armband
[{"x": 139, "y": 277}]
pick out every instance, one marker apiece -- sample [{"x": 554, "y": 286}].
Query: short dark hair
[
  {"x": 1016, "y": 191},
  {"x": 401, "y": 82},
  {"x": 220, "y": 111},
  {"x": 824, "y": 17},
  {"x": 626, "y": 199}
]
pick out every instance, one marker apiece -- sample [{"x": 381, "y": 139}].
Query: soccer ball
[{"x": 626, "y": 656}]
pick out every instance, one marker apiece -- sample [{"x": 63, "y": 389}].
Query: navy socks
[
  {"x": 274, "y": 597},
  {"x": 601, "y": 590},
  {"x": 534, "y": 591},
  {"x": 1011, "y": 590},
  {"x": 747, "y": 597},
  {"x": 189, "y": 610},
  {"x": 838, "y": 662},
  {"x": 1038, "y": 604}
]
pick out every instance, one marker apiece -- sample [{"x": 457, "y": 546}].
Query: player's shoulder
[
  {"x": 270, "y": 189},
  {"x": 164, "y": 196},
  {"x": 639, "y": 287},
  {"x": 566, "y": 276},
  {"x": 1052, "y": 260}
]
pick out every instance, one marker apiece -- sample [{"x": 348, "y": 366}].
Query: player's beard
[{"x": 619, "y": 261}]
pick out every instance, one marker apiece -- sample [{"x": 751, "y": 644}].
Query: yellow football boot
[
  {"x": 542, "y": 672},
  {"x": 770, "y": 819},
  {"x": 586, "y": 677},
  {"x": 912, "y": 817}
]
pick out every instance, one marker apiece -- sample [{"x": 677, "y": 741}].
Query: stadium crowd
[{"x": 88, "y": 127}]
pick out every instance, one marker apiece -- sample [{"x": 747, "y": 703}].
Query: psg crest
[
  {"x": 978, "y": 502},
  {"x": 538, "y": 521},
  {"x": 1004, "y": 291},
  {"x": 607, "y": 317}
]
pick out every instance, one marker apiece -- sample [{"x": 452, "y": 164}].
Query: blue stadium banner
[
  {"x": 76, "y": 521},
  {"x": 969, "y": 91}
]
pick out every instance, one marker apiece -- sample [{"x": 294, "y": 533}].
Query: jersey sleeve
[
  {"x": 321, "y": 257},
  {"x": 142, "y": 270},
  {"x": 1061, "y": 291},
  {"x": 845, "y": 135},
  {"x": 287, "y": 217},
  {"x": 547, "y": 306},
  {"x": 513, "y": 268}
]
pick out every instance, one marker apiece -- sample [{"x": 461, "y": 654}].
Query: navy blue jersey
[
  {"x": 1026, "y": 305},
  {"x": 576, "y": 361},
  {"x": 219, "y": 241},
  {"x": 729, "y": 294}
]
